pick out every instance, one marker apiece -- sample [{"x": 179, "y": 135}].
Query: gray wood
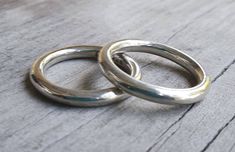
[{"x": 31, "y": 122}]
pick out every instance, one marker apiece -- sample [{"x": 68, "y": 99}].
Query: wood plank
[{"x": 29, "y": 28}]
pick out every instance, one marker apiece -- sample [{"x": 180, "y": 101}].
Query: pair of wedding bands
[{"x": 113, "y": 62}]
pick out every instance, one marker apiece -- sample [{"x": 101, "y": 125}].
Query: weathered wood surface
[{"x": 30, "y": 122}]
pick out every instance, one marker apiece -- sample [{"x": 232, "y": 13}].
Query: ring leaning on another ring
[
  {"x": 80, "y": 97},
  {"x": 147, "y": 91}
]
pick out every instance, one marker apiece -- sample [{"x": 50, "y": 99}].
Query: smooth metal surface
[
  {"x": 148, "y": 91},
  {"x": 79, "y": 97}
]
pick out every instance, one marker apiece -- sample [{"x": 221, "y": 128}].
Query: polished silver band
[
  {"x": 79, "y": 97},
  {"x": 147, "y": 91}
]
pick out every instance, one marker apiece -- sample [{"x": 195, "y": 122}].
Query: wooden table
[{"x": 29, "y": 122}]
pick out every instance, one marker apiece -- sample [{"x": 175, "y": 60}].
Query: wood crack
[
  {"x": 173, "y": 124},
  {"x": 168, "y": 138},
  {"x": 182, "y": 116},
  {"x": 224, "y": 70},
  {"x": 217, "y": 134},
  {"x": 230, "y": 150},
  {"x": 185, "y": 26}
]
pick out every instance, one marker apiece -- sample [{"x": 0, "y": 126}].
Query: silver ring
[
  {"x": 79, "y": 97},
  {"x": 148, "y": 91}
]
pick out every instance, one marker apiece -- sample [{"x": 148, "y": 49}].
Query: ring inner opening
[
  {"x": 192, "y": 72},
  {"x": 84, "y": 74}
]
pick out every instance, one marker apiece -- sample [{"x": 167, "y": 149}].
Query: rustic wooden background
[{"x": 29, "y": 122}]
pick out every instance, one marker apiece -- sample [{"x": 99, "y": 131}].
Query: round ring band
[
  {"x": 80, "y": 97},
  {"x": 147, "y": 91}
]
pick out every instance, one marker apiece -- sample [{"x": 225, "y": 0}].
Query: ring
[
  {"x": 147, "y": 91},
  {"x": 79, "y": 97}
]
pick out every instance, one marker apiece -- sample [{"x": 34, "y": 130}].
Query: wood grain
[{"x": 30, "y": 122}]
